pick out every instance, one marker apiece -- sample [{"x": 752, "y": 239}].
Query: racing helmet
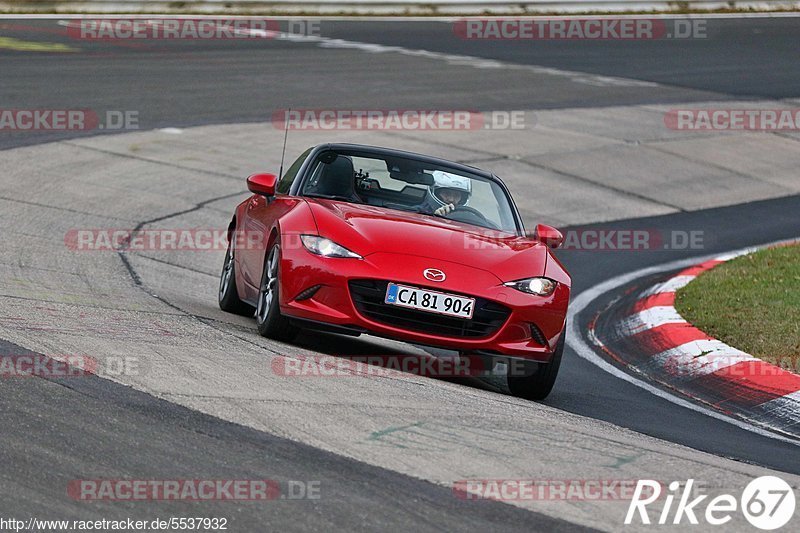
[{"x": 445, "y": 181}]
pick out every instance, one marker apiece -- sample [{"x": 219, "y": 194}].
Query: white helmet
[{"x": 445, "y": 181}]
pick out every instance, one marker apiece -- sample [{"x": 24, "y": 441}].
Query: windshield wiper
[{"x": 330, "y": 197}]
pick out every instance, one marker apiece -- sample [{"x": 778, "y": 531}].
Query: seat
[{"x": 338, "y": 179}]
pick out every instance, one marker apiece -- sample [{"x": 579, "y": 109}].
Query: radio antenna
[{"x": 285, "y": 135}]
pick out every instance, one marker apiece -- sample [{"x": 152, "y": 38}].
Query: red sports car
[{"x": 358, "y": 239}]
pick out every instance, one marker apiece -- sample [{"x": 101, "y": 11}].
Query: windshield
[{"x": 407, "y": 184}]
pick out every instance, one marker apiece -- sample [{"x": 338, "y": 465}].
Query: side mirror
[
  {"x": 548, "y": 235},
  {"x": 263, "y": 184}
]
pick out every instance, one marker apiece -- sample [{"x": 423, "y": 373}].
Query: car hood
[{"x": 367, "y": 229}]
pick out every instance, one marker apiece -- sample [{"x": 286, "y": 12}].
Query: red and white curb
[{"x": 673, "y": 352}]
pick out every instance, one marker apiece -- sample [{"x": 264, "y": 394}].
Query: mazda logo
[{"x": 434, "y": 274}]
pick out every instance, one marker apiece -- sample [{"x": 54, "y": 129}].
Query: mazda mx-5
[{"x": 358, "y": 239}]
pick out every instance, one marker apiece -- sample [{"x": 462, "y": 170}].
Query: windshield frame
[{"x": 306, "y": 169}]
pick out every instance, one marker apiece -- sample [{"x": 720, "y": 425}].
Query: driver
[{"x": 448, "y": 192}]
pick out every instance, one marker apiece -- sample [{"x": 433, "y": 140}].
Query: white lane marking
[
  {"x": 671, "y": 285},
  {"x": 577, "y": 343},
  {"x": 648, "y": 319},
  {"x": 171, "y": 131},
  {"x": 697, "y": 358},
  {"x": 465, "y": 60}
]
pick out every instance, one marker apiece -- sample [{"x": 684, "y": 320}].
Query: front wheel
[
  {"x": 269, "y": 320},
  {"x": 228, "y": 296},
  {"x": 537, "y": 386}
]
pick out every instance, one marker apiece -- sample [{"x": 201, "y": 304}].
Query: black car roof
[{"x": 381, "y": 151}]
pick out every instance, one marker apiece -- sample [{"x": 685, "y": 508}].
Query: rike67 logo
[{"x": 767, "y": 502}]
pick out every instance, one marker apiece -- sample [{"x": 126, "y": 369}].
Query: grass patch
[{"x": 751, "y": 303}]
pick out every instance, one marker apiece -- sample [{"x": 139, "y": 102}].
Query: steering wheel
[{"x": 472, "y": 215}]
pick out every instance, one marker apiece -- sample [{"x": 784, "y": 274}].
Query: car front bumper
[{"x": 330, "y": 291}]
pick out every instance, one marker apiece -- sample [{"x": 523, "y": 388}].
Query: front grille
[{"x": 368, "y": 296}]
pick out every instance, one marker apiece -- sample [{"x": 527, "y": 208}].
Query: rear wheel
[
  {"x": 537, "y": 386},
  {"x": 269, "y": 320},
  {"x": 228, "y": 295}
]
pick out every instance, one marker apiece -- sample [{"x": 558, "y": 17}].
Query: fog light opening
[
  {"x": 537, "y": 335},
  {"x": 308, "y": 293}
]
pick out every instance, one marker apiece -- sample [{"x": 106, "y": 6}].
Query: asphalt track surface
[
  {"x": 179, "y": 83},
  {"x": 186, "y": 84}
]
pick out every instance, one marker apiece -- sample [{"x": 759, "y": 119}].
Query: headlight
[
  {"x": 326, "y": 247},
  {"x": 537, "y": 286}
]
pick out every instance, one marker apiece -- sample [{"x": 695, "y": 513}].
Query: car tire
[
  {"x": 228, "y": 296},
  {"x": 269, "y": 320},
  {"x": 538, "y": 385}
]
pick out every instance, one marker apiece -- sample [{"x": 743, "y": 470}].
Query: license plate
[{"x": 431, "y": 301}]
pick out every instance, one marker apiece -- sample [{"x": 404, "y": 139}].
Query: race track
[{"x": 206, "y": 401}]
